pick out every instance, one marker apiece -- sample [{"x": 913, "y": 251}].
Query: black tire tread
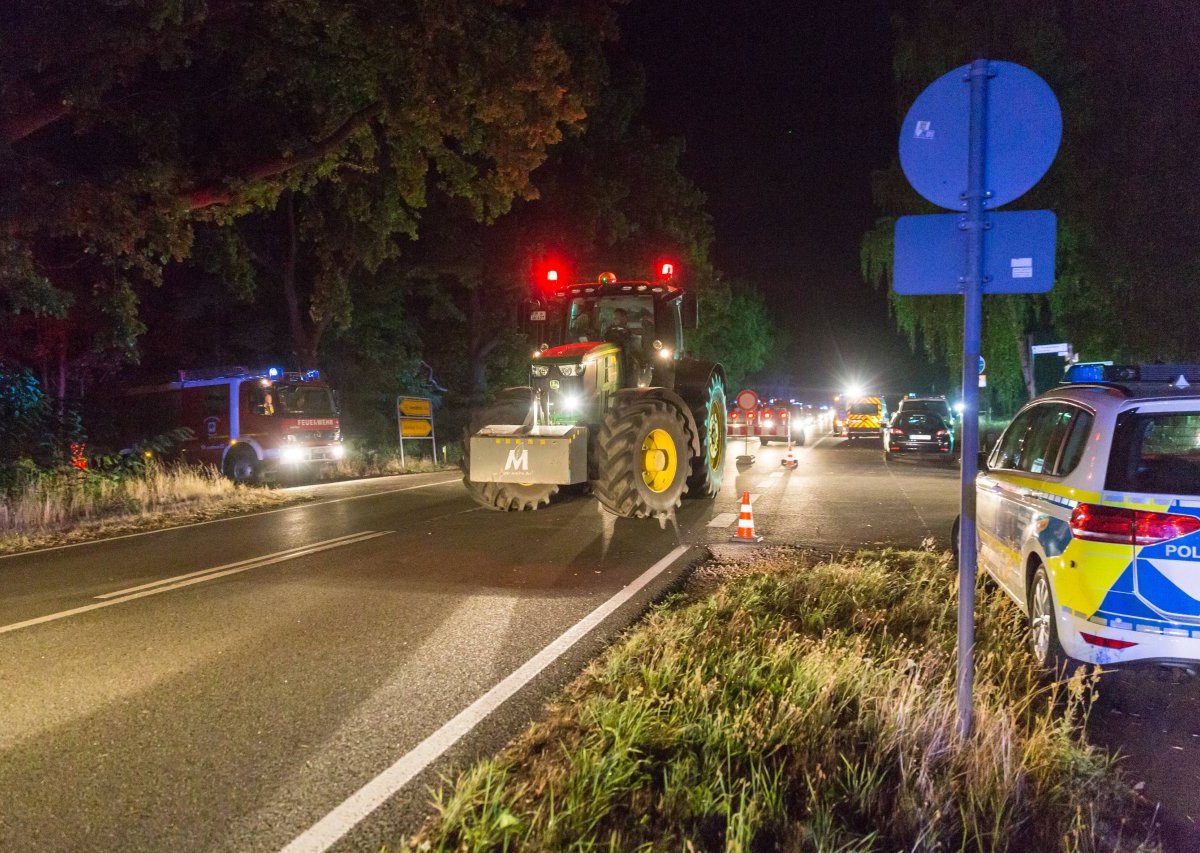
[{"x": 616, "y": 458}]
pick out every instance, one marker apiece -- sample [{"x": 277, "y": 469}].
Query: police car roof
[{"x": 1127, "y": 390}]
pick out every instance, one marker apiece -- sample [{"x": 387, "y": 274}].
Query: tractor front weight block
[{"x": 503, "y": 453}]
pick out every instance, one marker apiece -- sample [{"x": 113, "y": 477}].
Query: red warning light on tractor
[
  {"x": 549, "y": 274},
  {"x": 666, "y": 270}
]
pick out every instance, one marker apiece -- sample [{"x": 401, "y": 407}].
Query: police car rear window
[{"x": 1156, "y": 452}]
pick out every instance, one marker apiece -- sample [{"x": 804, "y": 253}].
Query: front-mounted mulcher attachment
[{"x": 613, "y": 404}]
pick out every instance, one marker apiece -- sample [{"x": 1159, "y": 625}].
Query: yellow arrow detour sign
[
  {"x": 415, "y": 407},
  {"x": 415, "y": 428}
]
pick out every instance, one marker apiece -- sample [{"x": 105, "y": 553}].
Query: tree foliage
[
  {"x": 734, "y": 329},
  {"x": 125, "y": 124},
  {"x": 360, "y": 186},
  {"x": 1128, "y": 239}
]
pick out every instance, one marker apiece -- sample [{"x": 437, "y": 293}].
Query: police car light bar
[{"x": 1106, "y": 371}]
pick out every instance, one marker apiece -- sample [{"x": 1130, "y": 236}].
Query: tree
[
  {"x": 126, "y": 124},
  {"x": 735, "y": 328},
  {"x": 1127, "y": 242}
]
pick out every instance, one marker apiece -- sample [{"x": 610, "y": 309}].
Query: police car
[{"x": 1088, "y": 515}]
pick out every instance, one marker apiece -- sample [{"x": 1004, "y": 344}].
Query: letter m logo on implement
[{"x": 518, "y": 459}]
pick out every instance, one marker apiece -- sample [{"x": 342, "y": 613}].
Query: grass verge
[
  {"x": 386, "y": 464},
  {"x": 802, "y": 707},
  {"x": 64, "y": 507}
]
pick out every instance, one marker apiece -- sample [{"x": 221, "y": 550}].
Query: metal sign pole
[{"x": 972, "y": 321}]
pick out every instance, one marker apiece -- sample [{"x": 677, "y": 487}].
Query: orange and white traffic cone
[
  {"x": 789, "y": 461},
  {"x": 745, "y": 528}
]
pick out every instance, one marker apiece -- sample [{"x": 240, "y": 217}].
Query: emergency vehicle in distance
[
  {"x": 250, "y": 424},
  {"x": 866, "y": 416}
]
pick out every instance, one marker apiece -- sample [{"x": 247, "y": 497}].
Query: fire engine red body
[{"x": 248, "y": 423}]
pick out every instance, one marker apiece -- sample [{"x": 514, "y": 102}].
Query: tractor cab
[{"x": 594, "y": 339}]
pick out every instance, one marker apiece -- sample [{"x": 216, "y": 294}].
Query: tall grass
[
  {"x": 802, "y": 708},
  {"x": 57, "y": 500}
]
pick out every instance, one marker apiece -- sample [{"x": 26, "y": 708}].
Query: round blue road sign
[{"x": 1024, "y": 128}]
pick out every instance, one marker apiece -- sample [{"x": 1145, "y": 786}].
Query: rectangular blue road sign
[{"x": 1018, "y": 253}]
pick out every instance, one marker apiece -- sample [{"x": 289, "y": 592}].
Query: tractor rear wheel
[
  {"x": 708, "y": 469},
  {"x": 642, "y": 459},
  {"x": 502, "y": 497}
]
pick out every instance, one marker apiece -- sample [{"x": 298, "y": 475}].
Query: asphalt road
[{"x": 227, "y": 686}]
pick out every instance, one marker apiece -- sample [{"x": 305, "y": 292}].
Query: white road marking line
[
  {"x": 326, "y": 832},
  {"x": 287, "y": 554},
  {"x": 723, "y": 520},
  {"x": 230, "y": 518},
  {"x": 87, "y": 608},
  {"x": 755, "y": 496}
]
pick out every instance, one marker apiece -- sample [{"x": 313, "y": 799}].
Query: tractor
[{"x": 614, "y": 404}]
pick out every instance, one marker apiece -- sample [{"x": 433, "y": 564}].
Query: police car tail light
[
  {"x": 1105, "y": 642},
  {"x": 1097, "y": 523},
  {"x": 897, "y": 431},
  {"x": 1126, "y": 526},
  {"x": 1154, "y": 527}
]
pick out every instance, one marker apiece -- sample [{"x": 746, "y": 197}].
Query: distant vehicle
[
  {"x": 935, "y": 405},
  {"x": 866, "y": 417},
  {"x": 919, "y": 433},
  {"x": 1089, "y": 517},
  {"x": 247, "y": 423},
  {"x": 779, "y": 421},
  {"x": 738, "y": 421}
]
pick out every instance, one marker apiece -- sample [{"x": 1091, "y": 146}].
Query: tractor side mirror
[{"x": 533, "y": 320}]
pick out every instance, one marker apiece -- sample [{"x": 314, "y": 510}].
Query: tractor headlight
[
  {"x": 571, "y": 369},
  {"x": 569, "y": 402},
  {"x": 541, "y": 369}
]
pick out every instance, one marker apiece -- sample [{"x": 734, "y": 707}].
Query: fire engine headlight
[
  {"x": 541, "y": 369},
  {"x": 571, "y": 369},
  {"x": 569, "y": 402},
  {"x": 292, "y": 454},
  {"x": 338, "y": 451}
]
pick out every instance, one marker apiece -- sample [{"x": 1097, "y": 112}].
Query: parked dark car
[{"x": 919, "y": 434}]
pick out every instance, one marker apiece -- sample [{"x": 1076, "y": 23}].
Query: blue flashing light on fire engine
[
  {"x": 313, "y": 374},
  {"x": 273, "y": 372}
]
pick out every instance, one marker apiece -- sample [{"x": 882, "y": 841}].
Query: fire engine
[{"x": 248, "y": 423}]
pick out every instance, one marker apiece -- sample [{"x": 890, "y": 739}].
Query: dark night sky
[{"x": 786, "y": 108}]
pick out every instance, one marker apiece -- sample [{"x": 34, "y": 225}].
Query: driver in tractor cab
[{"x": 618, "y": 331}]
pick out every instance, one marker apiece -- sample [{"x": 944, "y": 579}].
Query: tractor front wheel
[
  {"x": 502, "y": 497},
  {"x": 708, "y": 469},
  {"x": 642, "y": 459}
]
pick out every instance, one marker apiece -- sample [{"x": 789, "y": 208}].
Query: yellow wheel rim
[
  {"x": 716, "y": 433},
  {"x": 660, "y": 460}
]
